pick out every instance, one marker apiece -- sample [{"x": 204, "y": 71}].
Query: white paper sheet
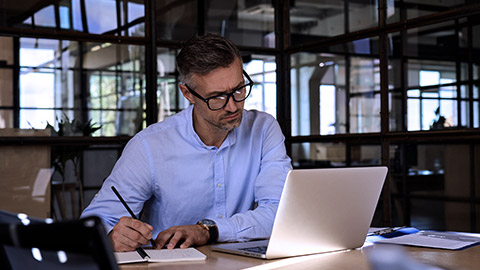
[
  {"x": 161, "y": 255},
  {"x": 432, "y": 239}
]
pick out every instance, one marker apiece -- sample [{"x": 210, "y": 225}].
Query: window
[
  {"x": 122, "y": 17},
  {"x": 37, "y": 82},
  {"x": 314, "y": 20},
  {"x": 50, "y": 79},
  {"x": 247, "y": 23},
  {"x": 262, "y": 70},
  {"x": 432, "y": 108}
]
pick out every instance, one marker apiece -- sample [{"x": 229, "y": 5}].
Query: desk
[{"x": 467, "y": 259}]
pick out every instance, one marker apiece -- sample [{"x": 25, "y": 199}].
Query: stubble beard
[{"x": 228, "y": 125}]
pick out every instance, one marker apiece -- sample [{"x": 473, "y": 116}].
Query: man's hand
[
  {"x": 186, "y": 236},
  {"x": 130, "y": 234}
]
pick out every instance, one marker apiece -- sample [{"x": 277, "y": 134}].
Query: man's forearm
[{"x": 253, "y": 224}]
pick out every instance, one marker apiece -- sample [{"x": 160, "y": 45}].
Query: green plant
[
  {"x": 61, "y": 155},
  {"x": 73, "y": 127},
  {"x": 440, "y": 122}
]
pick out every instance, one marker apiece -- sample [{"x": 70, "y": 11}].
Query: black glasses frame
[{"x": 206, "y": 100}]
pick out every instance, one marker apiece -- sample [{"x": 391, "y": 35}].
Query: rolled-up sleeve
[{"x": 132, "y": 177}]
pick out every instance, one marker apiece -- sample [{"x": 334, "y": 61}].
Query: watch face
[{"x": 208, "y": 222}]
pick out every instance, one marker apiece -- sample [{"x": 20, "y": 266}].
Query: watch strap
[{"x": 212, "y": 229}]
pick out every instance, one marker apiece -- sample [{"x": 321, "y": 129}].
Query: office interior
[{"x": 351, "y": 82}]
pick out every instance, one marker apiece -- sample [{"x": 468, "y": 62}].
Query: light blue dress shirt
[{"x": 170, "y": 173}]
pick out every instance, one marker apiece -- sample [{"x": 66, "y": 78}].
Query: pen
[
  {"x": 386, "y": 231},
  {"x": 133, "y": 216},
  {"x": 142, "y": 252}
]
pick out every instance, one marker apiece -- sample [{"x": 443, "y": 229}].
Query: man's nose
[{"x": 231, "y": 105}]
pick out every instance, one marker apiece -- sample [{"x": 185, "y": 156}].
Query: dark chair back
[{"x": 35, "y": 244}]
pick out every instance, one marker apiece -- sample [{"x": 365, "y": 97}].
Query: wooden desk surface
[{"x": 467, "y": 259}]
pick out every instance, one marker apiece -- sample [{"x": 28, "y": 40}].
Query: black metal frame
[{"x": 282, "y": 52}]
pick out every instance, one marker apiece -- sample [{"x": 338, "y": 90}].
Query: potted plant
[{"x": 62, "y": 155}]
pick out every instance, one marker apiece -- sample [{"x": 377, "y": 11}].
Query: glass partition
[
  {"x": 432, "y": 41},
  {"x": 314, "y": 20},
  {"x": 117, "y": 17},
  {"x": 318, "y": 93},
  {"x": 318, "y": 155},
  {"x": 247, "y": 23},
  {"x": 38, "y": 66},
  {"x": 362, "y": 14},
  {"x": 395, "y": 95},
  {"x": 364, "y": 95},
  {"x": 432, "y": 95},
  {"x": 398, "y": 10},
  {"x": 176, "y": 20},
  {"x": 418, "y": 8},
  {"x": 116, "y": 86},
  {"x": 169, "y": 98},
  {"x": 324, "y": 155},
  {"x": 55, "y": 75},
  {"x": 425, "y": 176},
  {"x": 6, "y": 81},
  {"x": 432, "y": 78},
  {"x": 334, "y": 94},
  {"x": 366, "y": 155},
  {"x": 262, "y": 70}
]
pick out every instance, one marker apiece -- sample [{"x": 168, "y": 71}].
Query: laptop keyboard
[{"x": 259, "y": 249}]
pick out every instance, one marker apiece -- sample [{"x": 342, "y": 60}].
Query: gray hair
[{"x": 203, "y": 54}]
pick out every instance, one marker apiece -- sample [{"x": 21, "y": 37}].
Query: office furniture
[
  {"x": 25, "y": 175},
  {"x": 467, "y": 259},
  {"x": 34, "y": 244},
  {"x": 310, "y": 44}
]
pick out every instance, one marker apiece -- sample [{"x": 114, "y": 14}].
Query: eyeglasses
[{"x": 218, "y": 102}]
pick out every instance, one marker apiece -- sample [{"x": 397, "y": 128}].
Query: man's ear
[{"x": 186, "y": 93}]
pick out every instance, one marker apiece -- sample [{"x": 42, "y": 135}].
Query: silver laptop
[{"x": 320, "y": 210}]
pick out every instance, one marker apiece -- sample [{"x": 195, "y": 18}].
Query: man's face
[{"x": 219, "y": 81}]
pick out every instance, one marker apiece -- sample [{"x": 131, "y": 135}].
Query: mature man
[{"x": 213, "y": 172}]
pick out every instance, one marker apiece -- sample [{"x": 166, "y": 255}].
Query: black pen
[
  {"x": 142, "y": 252},
  {"x": 135, "y": 217}
]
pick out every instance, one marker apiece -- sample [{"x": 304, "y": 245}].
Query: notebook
[
  {"x": 320, "y": 210},
  {"x": 161, "y": 255}
]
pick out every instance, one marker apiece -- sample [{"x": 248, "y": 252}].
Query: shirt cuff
[{"x": 226, "y": 230}]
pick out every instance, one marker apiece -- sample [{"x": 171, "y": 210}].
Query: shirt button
[
  {"x": 218, "y": 153},
  {"x": 219, "y": 185},
  {"x": 220, "y": 216}
]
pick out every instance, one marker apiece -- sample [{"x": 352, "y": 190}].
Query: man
[{"x": 213, "y": 172}]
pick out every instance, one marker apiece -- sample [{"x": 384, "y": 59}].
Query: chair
[{"x": 42, "y": 244}]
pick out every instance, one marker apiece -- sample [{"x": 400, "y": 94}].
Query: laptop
[{"x": 320, "y": 210}]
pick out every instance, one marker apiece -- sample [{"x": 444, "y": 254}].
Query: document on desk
[
  {"x": 161, "y": 255},
  {"x": 434, "y": 239}
]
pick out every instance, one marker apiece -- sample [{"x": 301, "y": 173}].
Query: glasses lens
[
  {"x": 240, "y": 94},
  {"x": 217, "y": 103}
]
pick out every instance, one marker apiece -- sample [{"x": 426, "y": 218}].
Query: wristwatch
[{"x": 212, "y": 229}]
